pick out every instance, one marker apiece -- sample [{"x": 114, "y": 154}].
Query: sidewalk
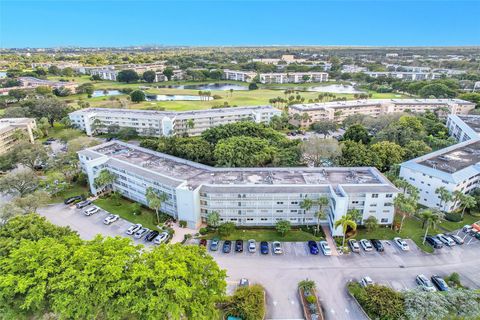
[
  {"x": 181, "y": 232},
  {"x": 329, "y": 239}
]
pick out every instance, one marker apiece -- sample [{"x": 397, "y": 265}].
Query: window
[
  {"x": 373, "y": 205},
  {"x": 384, "y": 220},
  {"x": 389, "y": 195},
  {"x": 279, "y": 202},
  {"x": 279, "y": 211},
  {"x": 375, "y": 195},
  {"x": 294, "y": 202}
]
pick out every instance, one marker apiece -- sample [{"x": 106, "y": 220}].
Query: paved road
[{"x": 281, "y": 274}]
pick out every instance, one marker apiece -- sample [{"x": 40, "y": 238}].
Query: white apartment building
[
  {"x": 236, "y": 75},
  {"x": 293, "y": 77},
  {"x": 245, "y": 196},
  {"x": 167, "y": 123},
  {"x": 405, "y": 75},
  {"x": 338, "y": 110},
  {"x": 456, "y": 167},
  {"x": 8, "y": 129}
]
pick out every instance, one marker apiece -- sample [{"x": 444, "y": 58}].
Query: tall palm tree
[
  {"x": 322, "y": 203},
  {"x": 457, "y": 197},
  {"x": 345, "y": 221},
  {"x": 468, "y": 202},
  {"x": 444, "y": 195},
  {"x": 405, "y": 206},
  {"x": 430, "y": 219},
  {"x": 306, "y": 204}
]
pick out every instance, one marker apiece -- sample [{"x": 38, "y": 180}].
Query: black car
[
  {"x": 50, "y": 139},
  {"x": 83, "y": 204},
  {"x": 152, "y": 235},
  {"x": 73, "y": 199},
  {"x": 440, "y": 283},
  {"x": 264, "y": 247},
  {"x": 239, "y": 246},
  {"x": 227, "y": 246},
  {"x": 377, "y": 244},
  {"x": 109, "y": 139},
  {"x": 434, "y": 242}
]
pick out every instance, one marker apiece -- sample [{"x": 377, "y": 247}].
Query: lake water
[
  {"x": 104, "y": 93},
  {"x": 336, "y": 88},
  {"x": 209, "y": 86},
  {"x": 3, "y": 74},
  {"x": 175, "y": 97}
]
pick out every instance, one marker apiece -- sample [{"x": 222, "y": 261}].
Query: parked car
[
  {"x": 140, "y": 233},
  {"x": 227, "y": 246},
  {"x": 203, "y": 242},
  {"x": 477, "y": 235},
  {"x": 377, "y": 244},
  {"x": 83, "y": 204},
  {"x": 252, "y": 246},
  {"x": 91, "y": 211},
  {"x": 366, "y": 281},
  {"x": 325, "y": 248},
  {"x": 264, "y": 247},
  {"x": 354, "y": 246},
  {"x": 243, "y": 282},
  {"x": 151, "y": 235},
  {"x": 73, "y": 199},
  {"x": 425, "y": 283},
  {"x": 133, "y": 228},
  {"x": 434, "y": 242},
  {"x": 366, "y": 245},
  {"x": 111, "y": 219},
  {"x": 277, "y": 247},
  {"x": 457, "y": 239},
  {"x": 163, "y": 237},
  {"x": 402, "y": 244},
  {"x": 214, "y": 244},
  {"x": 313, "y": 246},
  {"x": 440, "y": 283},
  {"x": 446, "y": 240},
  {"x": 239, "y": 246},
  {"x": 466, "y": 228}
]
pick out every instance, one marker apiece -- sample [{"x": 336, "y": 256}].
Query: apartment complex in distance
[
  {"x": 275, "y": 77},
  {"x": 166, "y": 123},
  {"x": 9, "y": 128},
  {"x": 245, "y": 196},
  {"x": 456, "y": 168},
  {"x": 305, "y": 114},
  {"x": 31, "y": 82},
  {"x": 237, "y": 75}
]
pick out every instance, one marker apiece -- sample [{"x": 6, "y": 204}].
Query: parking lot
[{"x": 280, "y": 274}]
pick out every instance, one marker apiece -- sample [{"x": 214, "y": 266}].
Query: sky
[{"x": 91, "y": 23}]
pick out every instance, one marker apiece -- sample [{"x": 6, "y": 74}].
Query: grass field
[
  {"x": 73, "y": 190},
  {"x": 267, "y": 235}
]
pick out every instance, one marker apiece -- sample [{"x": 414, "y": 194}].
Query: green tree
[
  {"x": 416, "y": 148},
  {"x": 50, "y": 108},
  {"x": 252, "y": 86},
  {"x": 127, "y": 76},
  {"x": 243, "y": 152},
  {"x": 103, "y": 182},
  {"x": 20, "y": 182},
  {"x": 306, "y": 285},
  {"x": 247, "y": 303},
  {"x": 168, "y": 72},
  {"x": 436, "y": 90},
  {"x": 324, "y": 127},
  {"x": 137, "y": 96},
  {"x": 345, "y": 222},
  {"x": 318, "y": 152},
  {"x": 30, "y": 155},
  {"x": 225, "y": 229},
  {"x": 149, "y": 76},
  {"x": 371, "y": 223},
  {"x": 430, "y": 219},
  {"x": 383, "y": 302},
  {"x": 355, "y": 154},
  {"x": 386, "y": 154},
  {"x": 405, "y": 206},
  {"x": 420, "y": 304},
  {"x": 321, "y": 213},
  {"x": 357, "y": 133},
  {"x": 156, "y": 200},
  {"x": 467, "y": 202},
  {"x": 213, "y": 219},
  {"x": 444, "y": 195},
  {"x": 283, "y": 227},
  {"x": 87, "y": 88},
  {"x": 17, "y": 94}
]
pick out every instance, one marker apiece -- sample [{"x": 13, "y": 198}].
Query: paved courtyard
[{"x": 281, "y": 274}]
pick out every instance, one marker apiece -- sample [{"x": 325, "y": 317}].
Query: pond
[
  {"x": 104, "y": 93},
  {"x": 336, "y": 88},
  {"x": 175, "y": 97},
  {"x": 209, "y": 86}
]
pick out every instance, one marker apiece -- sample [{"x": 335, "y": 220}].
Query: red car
[{"x": 203, "y": 242}]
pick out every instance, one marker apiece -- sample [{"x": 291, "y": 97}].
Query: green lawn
[
  {"x": 452, "y": 226},
  {"x": 147, "y": 218},
  {"x": 412, "y": 229},
  {"x": 73, "y": 190},
  {"x": 267, "y": 235}
]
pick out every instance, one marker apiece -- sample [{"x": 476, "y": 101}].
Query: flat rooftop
[
  {"x": 454, "y": 159},
  {"x": 472, "y": 121},
  {"x": 196, "y": 174}
]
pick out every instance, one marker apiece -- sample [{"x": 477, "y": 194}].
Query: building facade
[
  {"x": 293, "y": 77},
  {"x": 306, "y": 114},
  {"x": 167, "y": 123},
  {"x": 31, "y": 82},
  {"x": 9, "y": 127},
  {"x": 245, "y": 196}
]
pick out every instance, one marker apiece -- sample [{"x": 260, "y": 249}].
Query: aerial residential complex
[
  {"x": 454, "y": 168},
  {"x": 9, "y": 128},
  {"x": 31, "y": 82},
  {"x": 167, "y": 123},
  {"x": 276, "y": 77},
  {"x": 245, "y": 196},
  {"x": 305, "y": 114}
]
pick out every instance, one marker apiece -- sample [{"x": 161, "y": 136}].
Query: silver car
[
  {"x": 277, "y": 247},
  {"x": 140, "y": 233},
  {"x": 162, "y": 237},
  {"x": 325, "y": 248},
  {"x": 446, "y": 240},
  {"x": 366, "y": 245},
  {"x": 252, "y": 246},
  {"x": 133, "y": 228},
  {"x": 426, "y": 284},
  {"x": 111, "y": 219}
]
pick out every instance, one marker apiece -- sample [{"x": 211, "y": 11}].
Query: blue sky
[{"x": 123, "y": 23}]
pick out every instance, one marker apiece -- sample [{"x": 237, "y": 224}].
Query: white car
[
  {"x": 277, "y": 247},
  {"x": 401, "y": 244},
  {"x": 252, "y": 246},
  {"x": 162, "y": 237},
  {"x": 446, "y": 240},
  {"x": 366, "y": 281},
  {"x": 325, "y": 248},
  {"x": 91, "y": 211},
  {"x": 457, "y": 239},
  {"x": 140, "y": 233},
  {"x": 111, "y": 219},
  {"x": 467, "y": 228},
  {"x": 133, "y": 228},
  {"x": 366, "y": 245},
  {"x": 426, "y": 284}
]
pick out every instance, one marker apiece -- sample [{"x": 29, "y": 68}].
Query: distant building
[
  {"x": 236, "y": 75},
  {"x": 305, "y": 114},
  {"x": 293, "y": 77},
  {"x": 31, "y": 82},
  {"x": 167, "y": 123},
  {"x": 244, "y": 196},
  {"x": 9, "y": 128}
]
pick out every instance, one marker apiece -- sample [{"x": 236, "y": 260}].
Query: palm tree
[
  {"x": 213, "y": 218},
  {"x": 345, "y": 221},
  {"x": 444, "y": 195},
  {"x": 322, "y": 203},
  {"x": 155, "y": 200},
  {"x": 467, "y": 202},
  {"x": 405, "y": 206},
  {"x": 430, "y": 219},
  {"x": 306, "y": 285},
  {"x": 306, "y": 204}
]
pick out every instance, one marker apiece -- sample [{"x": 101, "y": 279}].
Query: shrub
[
  {"x": 247, "y": 303},
  {"x": 182, "y": 223},
  {"x": 225, "y": 229},
  {"x": 311, "y": 299},
  {"x": 203, "y": 231},
  {"x": 454, "y": 217}
]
